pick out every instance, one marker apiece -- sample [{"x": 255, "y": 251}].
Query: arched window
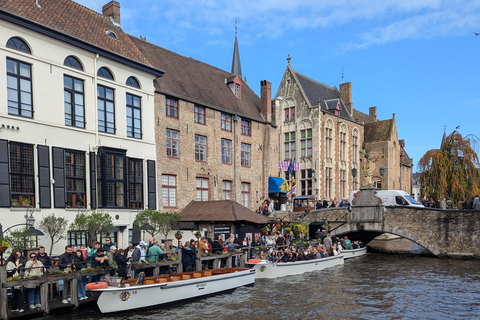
[
  {"x": 18, "y": 44},
  {"x": 133, "y": 82},
  {"x": 105, "y": 73},
  {"x": 355, "y": 146},
  {"x": 343, "y": 142},
  {"x": 73, "y": 62},
  {"x": 328, "y": 139},
  {"x": 112, "y": 34}
]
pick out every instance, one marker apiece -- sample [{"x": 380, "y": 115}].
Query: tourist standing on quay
[
  {"x": 80, "y": 263},
  {"x": 65, "y": 261},
  {"x": 33, "y": 268},
  {"x": 122, "y": 263},
  {"x": 43, "y": 257},
  {"x": 16, "y": 265}
]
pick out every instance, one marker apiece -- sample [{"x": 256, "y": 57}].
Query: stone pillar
[{"x": 367, "y": 206}]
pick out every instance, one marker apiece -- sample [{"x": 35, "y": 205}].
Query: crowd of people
[
  {"x": 468, "y": 203},
  {"x": 270, "y": 206}
]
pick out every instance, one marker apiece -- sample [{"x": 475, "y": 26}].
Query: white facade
[{"x": 47, "y": 128}]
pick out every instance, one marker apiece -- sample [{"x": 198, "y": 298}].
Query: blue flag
[{"x": 291, "y": 167}]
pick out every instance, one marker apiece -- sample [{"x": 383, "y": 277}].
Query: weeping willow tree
[{"x": 451, "y": 172}]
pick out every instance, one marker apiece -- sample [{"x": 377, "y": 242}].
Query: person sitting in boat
[
  {"x": 334, "y": 249},
  {"x": 286, "y": 256},
  {"x": 347, "y": 243},
  {"x": 355, "y": 245},
  {"x": 339, "y": 247}
]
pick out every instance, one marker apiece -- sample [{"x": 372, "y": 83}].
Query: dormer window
[
  {"x": 235, "y": 84},
  {"x": 334, "y": 106},
  {"x": 237, "y": 90},
  {"x": 112, "y": 34}
]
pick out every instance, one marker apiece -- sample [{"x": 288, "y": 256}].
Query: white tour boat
[
  {"x": 354, "y": 253},
  {"x": 267, "y": 269},
  {"x": 156, "y": 290}
]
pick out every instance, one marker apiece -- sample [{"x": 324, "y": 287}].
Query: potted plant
[
  {"x": 198, "y": 234},
  {"x": 265, "y": 230},
  {"x": 14, "y": 202},
  {"x": 4, "y": 245},
  {"x": 26, "y": 202},
  {"x": 178, "y": 235}
]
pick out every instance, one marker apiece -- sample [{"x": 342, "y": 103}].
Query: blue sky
[{"x": 417, "y": 59}]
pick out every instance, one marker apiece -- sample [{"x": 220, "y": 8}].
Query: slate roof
[
  {"x": 378, "y": 130},
  {"x": 362, "y": 117},
  {"x": 316, "y": 91},
  {"x": 221, "y": 210},
  {"x": 68, "y": 18},
  {"x": 198, "y": 82}
]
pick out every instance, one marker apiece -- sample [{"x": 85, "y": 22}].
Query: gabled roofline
[
  {"x": 78, "y": 43},
  {"x": 305, "y": 98}
]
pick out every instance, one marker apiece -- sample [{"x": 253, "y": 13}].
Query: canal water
[{"x": 376, "y": 286}]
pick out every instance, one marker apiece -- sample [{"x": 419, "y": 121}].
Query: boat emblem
[
  {"x": 124, "y": 296},
  {"x": 262, "y": 268}
]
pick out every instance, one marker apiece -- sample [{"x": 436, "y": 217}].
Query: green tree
[
  {"x": 154, "y": 222},
  {"x": 56, "y": 228},
  {"x": 95, "y": 223},
  {"x": 451, "y": 171},
  {"x": 21, "y": 239}
]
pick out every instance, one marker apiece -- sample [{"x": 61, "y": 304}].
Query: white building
[{"x": 76, "y": 110}]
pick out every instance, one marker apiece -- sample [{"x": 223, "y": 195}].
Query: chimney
[
  {"x": 112, "y": 11},
  {"x": 266, "y": 99},
  {"x": 372, "y": 112},
  {"x": 346, "y": 95}
]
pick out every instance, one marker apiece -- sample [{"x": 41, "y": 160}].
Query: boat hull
[
  {"x": 354, "y": 253},
  {"x": 265, "y": 269},
  {"x": 114, "y": 299}
]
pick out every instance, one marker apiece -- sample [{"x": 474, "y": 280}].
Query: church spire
[
  {"x": 236, "y": 67},
  {"x": 444, "y": 136}
]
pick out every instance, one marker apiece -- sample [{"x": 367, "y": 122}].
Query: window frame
[
  {"x": 306, "y": 143},
  {"x": 104, "y": 182},
  {"x": 203, "y": 190},
  {"x": 245, "y": 155},
  {"x": 306, "y": 181},
  {"x": 108, "y": 127},
  {"x": 227, "y": 190},
  {"x": 168, "y": 187},
  {"x": 134, "y": 132},
  {"x": 199, "y": 113},
  {"x": 18, "y": 44},
  {"x": 135, "y": 183},
  {"x": 226, "y": 149},
  {"x": 25, "y": 166},
  {"x": 290, "y": 145},
  {"x": 174, "y": 143},
  {"x": 19, "y": 79},
  {"x": 75, "y": 178},
  {"x": 171, "y": 107},
  {"x": 73, "y": 104},
  {"x": 226, "y": 121},
  {"x": 246, "y": 128},
  {"x": 200, "y": 148},
  {"x": 289, "y": 113},
  {"x": 245, "y": 193}
]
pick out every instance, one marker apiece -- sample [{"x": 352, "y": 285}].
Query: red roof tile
[{"x": 72, "y": 19}]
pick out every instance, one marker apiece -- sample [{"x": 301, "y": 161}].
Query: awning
[{"x": 274, "y": 185}]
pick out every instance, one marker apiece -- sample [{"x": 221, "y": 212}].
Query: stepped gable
[
  {"x": 378, "y": 130},
  {"x": 74, "y": 20},
  {"x": 221, "y": 210},
  {"x": 316, "y": 91},
  {"x": 198, "y": 82}
]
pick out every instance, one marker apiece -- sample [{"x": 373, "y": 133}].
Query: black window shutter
[
  {"x": 93, "y": 181},
  {"x": 4, "y": 176},
  {"x": 58, "y": 157},
  {"x": 44, "y": 176},
  {"x": 127, "y": 184},
  {"x": 152, "y": 186}
]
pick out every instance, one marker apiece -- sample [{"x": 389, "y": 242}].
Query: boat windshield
[{"x": 411, "y": 200}]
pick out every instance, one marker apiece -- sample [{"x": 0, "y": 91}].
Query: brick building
[
  {"x": 317, "y": 129},
  {"x": 216, "y": 139}
]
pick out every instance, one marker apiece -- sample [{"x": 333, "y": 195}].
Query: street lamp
[
  {"x": 382, "y": 173},
  {"x": 29, "y": 220}
]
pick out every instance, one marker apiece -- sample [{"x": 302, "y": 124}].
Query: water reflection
[{"x": 377, "y": 286}]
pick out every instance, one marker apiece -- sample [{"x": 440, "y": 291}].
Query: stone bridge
[{"x": 442, "y": 232}]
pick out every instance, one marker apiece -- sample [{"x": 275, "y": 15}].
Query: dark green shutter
[
  {"x": 152, "y": 185},
  {"x": 4, "y": 176},
  {"x": 44, "y": 176},
  {"x": 93, "y": 181},
  {"x": 58, "y": 157}
]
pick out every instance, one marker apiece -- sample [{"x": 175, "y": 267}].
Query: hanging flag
[
  {"x": 293, "y": 181},
  {"x": 284, "y": 186},
  {"x": 291, "y": 167},
  {"x": 294, "y": 189}
]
